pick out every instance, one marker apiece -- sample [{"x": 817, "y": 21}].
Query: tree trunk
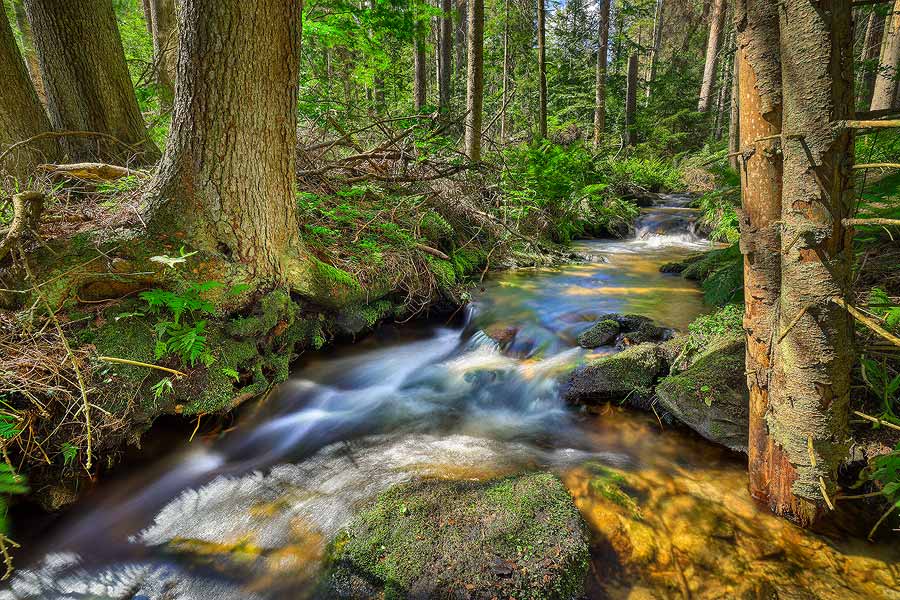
[
  {"x": 377, "y": 79},
  {"x": 420, "y": 71},
  {"x": 165, "y": 50},
  {"x": 810, "y": 391},
  {"x": 31, "y": 58},
  {"x": 226, "y": 182},
  {"x": 716, "y": 27},
  {"x": 475, "y": 80},
  {"x": 756, "y": 23},
  {"x": 445, "y": 54},
  {"x": 734, "y": 124},
  {"x": 885, "y": 93},
  {"x": 542, "y": 70},
  {"x": 869, "y": 58},
  {"x": 654, "y": 49},
  {"x": 87, "y": 83},
  {"x": 148, "y": 16},
  {"x": 631, "y": 101},
  {"x": 461, "y": 26},
  {"x": 600, "y": 79},
  {"x": 21, "y": 113},
  {"x": 504, "y": 99},
  {"x": 725, "y": 87}
]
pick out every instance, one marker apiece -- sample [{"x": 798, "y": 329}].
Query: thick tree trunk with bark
[
  {"x": 884, "y": 95},
  {"x": 600, "y": 73},
  {"x": 542, "y": 70},
  {"x": 420, "y": 72},
  {"x": 165, "y": 50},
  {"x": 631, "y": 101},
  {"x": 21, "y": 113},
  {"x": 869, "y": 58},
  {"x": 654, "y": 49},
  {"x": 31, "y": 58},
  {"x": 445, "y": 54},
  {"x": 810, "y": 392},
  {"x": 756, "y": 23},
  {"x": 85, "y": 77},
  {"x": 475, "y": 80},
  {"x": 734, "y": 121},
  {"x": 716, "y": 28},
  {"x": 226, "y": 181}
]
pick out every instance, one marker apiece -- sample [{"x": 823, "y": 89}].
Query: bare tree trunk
[
  {"x": 542, "y": 70},
  {"x": 165, "y": 50},
  {"x": 505, "y": 95},
  {"x": 461, "y": 26},
  {"x": 226, "y": 182},
  {"x": 760, "y": 104},
  {"x": 377, "y": 79},
  {"x": 31, "y": 58},
  {"x": 148, "y": 16},
  {"x": 734, "y": 123},
  {"x": 475, "y": 80},
  {"x": 21, "y": 113},
  {"x": 885, "y": 93},
  {"x": 445, "y": 54},
  {"x": 600, "y": 74},
  {"x": 420, "y": 74},
  {"x": 631, "y": 101},
  {"x": 716, "y": 28},
  {"x": 869, "y": 58},
  {"x": 810, "y": 391},
  {"x": 87, "y": 82},
  {"x": 654, "y": 49}
]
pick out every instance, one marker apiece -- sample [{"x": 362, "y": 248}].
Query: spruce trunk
[
  {"x": 542, "y": 70},
  {"x": 734, "y": 120},
  {"x": 420, "y": 73},
  {"x": 716, "y": 27},
  {"x": 869, "y": 58},
  {"x": 445, "y": 53},
  {"x": 600, "y": 73},
  {"x": 475, "y": 80},
  {"x": 226, "y": 181},
  {"x": 631, "y": 101},
  {"x": 884, "y": 95},
  {"x": 808, "y": 411},
  {"x": 165, "y": 50},
  {"x": 654, "y": 49}
]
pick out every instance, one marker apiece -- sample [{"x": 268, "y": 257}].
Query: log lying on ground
[
  {"x": 27, "y": 208},
  {"x": 89, "y": 171}
]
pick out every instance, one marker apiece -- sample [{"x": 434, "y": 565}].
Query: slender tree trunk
[
  {"x": 87, "y": 82},
  {"x": 600, "y": 73},
  {"x": 654, "y": 49},
  {"x": 21, "y": 113},
  {"x": 542, "y": 70},
  {"x": 31, "y": 58},
  {"x": 869, "y": 58},
  {"x": 716, "y": 28},
  {"x": 734, "y": 123},
  {"x": 810, "y": 391},
  {"x": 631, "y": 101},
  {"x": 885, "y": 93},
  {"x": 165, "y": 50},
  {"x": 420, "y": 72},
  {"x": 756, "y": 23},
  {"x": 475, "y": 80},
  {"x": 724, "y": 89},
  {"x": 226, "y": 182},
  {"x": 505, "y": 95},
  {"x": 377, "y": 78},
  {"x": 148, "y": 16},
  {"x": 461, "y": 26},
  {"x": 445, "y": 54}
]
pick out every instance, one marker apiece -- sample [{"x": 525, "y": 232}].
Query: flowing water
[{"x": 249, "y": 516}]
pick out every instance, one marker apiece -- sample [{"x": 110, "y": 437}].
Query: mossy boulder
[
  {"x": 519, "y": 537},
  {"x": 600, "y": 334},
  {"x": 710, "y": 396},
  {"x": 628, "y": 374}
]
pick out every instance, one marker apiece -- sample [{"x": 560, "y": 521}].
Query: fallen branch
[
  {"x": 136, "y": 363},
  {"x": 432, "y": 251},
  {"x": 863, "y": 166},
  {"x": 851, "y": 222},
  {"x": 27, "y": 208},
  {"x": 89, "y": 171},
  {"x": 892, "y": 124},
  {"x": 887, "y": 424},
  {"x": 866, "y": 321}
]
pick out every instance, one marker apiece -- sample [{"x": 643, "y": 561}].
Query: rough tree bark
[
  {"x": 631, "y": 101},
  {"x": 445, "y": 53},
  {"x": 86, "y": 80},
  {"x": 21, "y": 113},
  {"x": 600, "y": 73},
  {"x": 475, "y": 80},
  {"x": 420, "y": 71},
  {"x": 869, "y": 58},
  {"x": 462, "y": 21},
  {"x": 505, "y": 94},
  {"x": 542, "y": 70},
  {"x": 810, "y": 392},
  {"x": 884, "y": 95},
  {"x": 734, "y": 121},
  {"x": 31, "y": 58},
  {"x": 756, "y": 23},
  {"x": 716, "y": 28},
  {"x": 226, "y": 181},
  {"x": 165, "y": 50},
  {"x": 654, "y": 48},
  {"x": 722, "y": 96}
]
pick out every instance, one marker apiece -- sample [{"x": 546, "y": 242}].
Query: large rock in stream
[
  {"x": 519, "y": 537},
  {"x": 627, "y": 374}
]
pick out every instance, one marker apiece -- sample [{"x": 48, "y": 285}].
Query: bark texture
[
  {"x": 600, "y": 73},
  {"x": 734, "y": 120},
  {"x": 504, "y": 98},
  {"x": 884, "y": 95},
  {"x": 760, "y": 106},
  {"x": 808, "y": 415},
  {"x": 165, "y": 50},
  {"x": 226, "y": 181},
  {"x": 631, "y": 101},
  {"x": 542, "y": 69},
  {"x": 21, "y": 113},
  {"x": 869, "y": 58},
  {"x": 445, "y": 52},
  {"x": 86, "y": 80},
  {"x": 420, "y": 72},
  {"x": 716, "y": 28},
  {"x": 31, "y": 59},
  {"x": 654, "y": 48},
  {"x": 475, "y": 80}
]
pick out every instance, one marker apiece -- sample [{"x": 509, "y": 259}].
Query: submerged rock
[
  {"x": 519, "y": 537},
  {"x": 711, "y": 396},
  {"x": 624, "y": 330},
  {"x": 628, "y": 374}
]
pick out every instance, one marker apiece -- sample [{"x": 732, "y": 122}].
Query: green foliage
[
  {"x": 9, "y": 426},
  {"x": 703, "y": 330},
  {"x": 720, "y": 205},
  {"x": 10, "y": 484},
  {"x": 69, "y": 452},
  {"x": 880, "y": 374},
  {"x": 654, "y": 174}
]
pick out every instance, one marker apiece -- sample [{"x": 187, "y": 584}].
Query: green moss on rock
[
  {"x": 600, "y": 334},
  {"x": 519, "y": 537},
  {"x": 628, "y": 374}
]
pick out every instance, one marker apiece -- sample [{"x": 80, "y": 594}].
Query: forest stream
[{"x": 250, "y": 515}]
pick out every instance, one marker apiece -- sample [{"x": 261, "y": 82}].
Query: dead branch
[
  {"x": 89, "y": 171},
  {"x": 871, "y": 324},
  {"x": 27, "y": 208},
  {"x": 851, "y": 222},
  {"x": 432, "y": 251},
  {"x": 59, "y": 134}
]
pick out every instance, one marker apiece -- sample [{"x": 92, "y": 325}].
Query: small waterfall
[{"x": 670, "y": 222}]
